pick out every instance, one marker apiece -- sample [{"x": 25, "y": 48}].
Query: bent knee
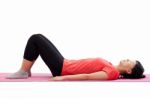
[{"x": 35, "y": 36}]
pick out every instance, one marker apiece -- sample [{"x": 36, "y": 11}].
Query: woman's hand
[{"x": 57, "y": 78}]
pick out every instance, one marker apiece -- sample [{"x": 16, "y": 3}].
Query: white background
[{"x": 111, "y": 29}]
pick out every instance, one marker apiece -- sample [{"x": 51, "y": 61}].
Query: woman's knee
[{"x": 34, "y": 37}]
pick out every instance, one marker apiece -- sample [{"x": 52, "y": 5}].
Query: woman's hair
[{"x": 137, "y": 72}]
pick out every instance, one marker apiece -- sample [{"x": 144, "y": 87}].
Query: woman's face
[{"x": 127, "y": 65}]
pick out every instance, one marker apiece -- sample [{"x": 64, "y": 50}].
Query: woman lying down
[{"x": 68, "y": 69}]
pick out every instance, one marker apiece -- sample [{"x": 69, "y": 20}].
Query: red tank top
[{"x": 89, "y": 65}]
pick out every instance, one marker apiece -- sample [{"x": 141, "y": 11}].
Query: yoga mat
[{"x": 45, "y": 77}]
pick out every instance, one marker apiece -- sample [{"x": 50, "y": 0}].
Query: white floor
[{"x": 75, "y": 90}]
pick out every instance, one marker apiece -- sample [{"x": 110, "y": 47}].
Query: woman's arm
[{"x": 101, "y": 75}]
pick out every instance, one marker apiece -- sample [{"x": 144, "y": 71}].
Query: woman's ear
[{"x": 128, "y": 71}]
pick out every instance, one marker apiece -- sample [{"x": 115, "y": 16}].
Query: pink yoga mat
[{"x": 45, "y": 77}]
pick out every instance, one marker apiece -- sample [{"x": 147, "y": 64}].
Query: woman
[{"x": 65, "y": 69}]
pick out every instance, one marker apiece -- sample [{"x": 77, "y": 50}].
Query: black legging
[{"x": 39, "y": 45}]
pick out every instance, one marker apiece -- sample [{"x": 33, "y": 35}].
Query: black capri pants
[{"x": 37, "y": 45}]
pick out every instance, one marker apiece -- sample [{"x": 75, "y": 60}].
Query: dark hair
[{"x": 137, "y": 72}]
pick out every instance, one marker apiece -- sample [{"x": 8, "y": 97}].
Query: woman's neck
[{"x": 119, "y": 69}]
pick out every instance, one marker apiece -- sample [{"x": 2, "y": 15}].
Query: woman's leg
[
  {"x": 26, "y": 65},
  {"x": 40, "y": 45}
]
